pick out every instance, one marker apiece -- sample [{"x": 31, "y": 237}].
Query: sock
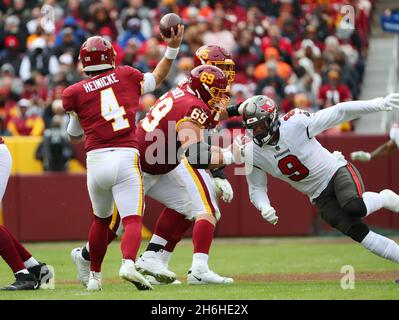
[
  {"x": 203, "y": 236},
  {"x": 131, "y": 239},
  {"x": 373, "y": 201},
  {"x": 111, "y": 235},
  {"x": 156, "y": 244},
  {"x": 98, "y": 242},
  {"x": 165, "y": 227},
  {"x": 381, "y": 246},
  {"x": 200, "y": 259},
  {"x": 31, "y": 262},
  {"x": 86, "y": 252},
  {"x": 180, "y": 230},
  {"x": 9, "y": 252},
  {"x": 23, "y": 253}
]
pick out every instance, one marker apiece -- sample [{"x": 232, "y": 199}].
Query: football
[{"x": 170, "y": 20}]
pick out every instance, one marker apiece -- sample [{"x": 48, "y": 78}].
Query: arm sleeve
[
  {"x": 148, "y": 84},
  {"x": 74, "y": 128},
  {"x": 257, "y": 187},
  {"x": 342, "y": 112}
]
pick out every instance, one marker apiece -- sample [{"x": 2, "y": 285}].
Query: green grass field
[{"x": 289, "y": 268}]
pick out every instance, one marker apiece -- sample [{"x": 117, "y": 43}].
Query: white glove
[
  {"x": 269, "y": 214},
  {"x": 361, "y": 156},
  {"x": 223, "y": 189},
  {"x": 390, "y": 102}
]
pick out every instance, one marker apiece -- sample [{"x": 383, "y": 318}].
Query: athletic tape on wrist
[{"x": 171, "y": 53}]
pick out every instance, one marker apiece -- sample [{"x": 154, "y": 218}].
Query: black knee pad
[
  {"x": 356, "y": 208},
  {"x": 358, "y": 231}
]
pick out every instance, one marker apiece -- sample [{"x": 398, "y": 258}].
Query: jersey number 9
[{"x": 293, "y": 168}]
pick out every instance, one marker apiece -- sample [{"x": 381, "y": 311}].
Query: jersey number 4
[
  {"x": 293, "y": 168},
  {"x": 112, "y": 111}
]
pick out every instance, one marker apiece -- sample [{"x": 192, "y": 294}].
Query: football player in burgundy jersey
[
  {"x": 172, "y": 128},
  {"x": 287, "y": 149},
  {"x": 171, "y": 224},
  {"x": 102, "y": 108},
  {"x": 29, "y": 273}
]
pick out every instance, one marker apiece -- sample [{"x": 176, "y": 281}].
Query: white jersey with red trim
[
  {"x": 394, "y": 134},
  {"x": 297, "y": 158}
]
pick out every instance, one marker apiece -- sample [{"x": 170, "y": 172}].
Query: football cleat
[
  {"x": 42, "y": 273},
  {"x": 129, "y": 273},
  {"x": 154, "y": 281},
  {"x": 392, "y": 198},
  {"x": 23, "y": 281},
  {"x": 82, "y": 266},
  {"x": 94, "y": 283},
  {"x": 150, "y": 264},
  {"x": 202, "y": 275}
]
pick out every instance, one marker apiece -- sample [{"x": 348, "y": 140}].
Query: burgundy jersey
[
  {"x": 1, "y": 140},
  {"x": 106, "y": 107},
  {"x": 158, "y": 142}
]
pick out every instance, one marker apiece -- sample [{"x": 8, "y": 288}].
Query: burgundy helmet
[
  {"x": 260, "y": 115},
  {"x": 97, "y": 54},
  {"x": 218, "y": 57},
  {"x": 209, "y": 83}
]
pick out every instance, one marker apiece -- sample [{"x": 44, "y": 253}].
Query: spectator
[
  {"x": 11, "y": 55},
  {"x": 284, "y": 70},
  {"x": 218, "y": 35},
  {"x": 25, "y": 123},
  {"x": 54, "y": 151},
  {"x": 288, "y": 102},
  {"x": 272, "y": 79},
  {"x": 39, "y": 59},
  {"x": 334, "y": 91}
]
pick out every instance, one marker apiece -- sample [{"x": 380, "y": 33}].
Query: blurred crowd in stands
[{"x": 302, "y": 53}]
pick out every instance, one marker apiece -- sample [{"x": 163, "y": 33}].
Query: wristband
[
  {"x": 232, "y": 111},
  {"x": 171, "y": 53}
]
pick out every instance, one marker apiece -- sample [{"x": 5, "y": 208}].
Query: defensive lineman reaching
[
  {"x": 102, "y": 107},
  {"x": 287, "y": 149}
]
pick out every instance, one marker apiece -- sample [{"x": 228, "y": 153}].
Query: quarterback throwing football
[{"x": 103, "y": 108}]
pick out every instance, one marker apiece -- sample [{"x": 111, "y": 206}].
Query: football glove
[
  {"x": 361, "y": 156},
  {"x": 223, "y": 189},
  {"x": 388, "y": 103},
  {"x": 269, "y": 214}
]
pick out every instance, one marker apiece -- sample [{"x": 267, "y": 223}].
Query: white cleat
[
  {"x": 82, "y": 266},
  {"x": 94, "y": 283},
  {"x": 150, "y": 264},
  {"x": 392, "y": 200},
  {"x": 202, "y": 275},
  {"x": 129, "y": 273}
]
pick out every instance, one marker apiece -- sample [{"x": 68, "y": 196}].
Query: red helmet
[
  {"x": 209, "y": 84},
  {"x": 218, "y": 57},
  {"x": 97, "y": 54}
]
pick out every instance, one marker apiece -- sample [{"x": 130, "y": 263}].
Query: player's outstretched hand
[
  {"x": 390, "y": 102},
  {"x": 175, "y": 39},
  {"x": 223, "y": 189},
  {"x": 361, "y": 156},
  {"x": 269, "y": 214}
]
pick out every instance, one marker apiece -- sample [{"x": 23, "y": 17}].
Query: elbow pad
[{"x": 198, "y": 155}]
